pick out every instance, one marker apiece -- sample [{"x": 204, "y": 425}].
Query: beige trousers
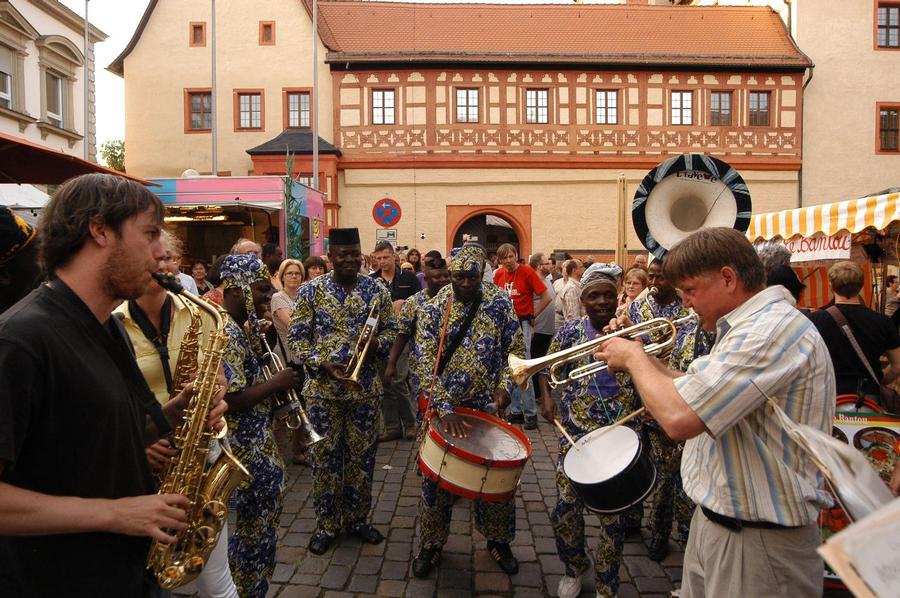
[{"x": 762, "y": 563}]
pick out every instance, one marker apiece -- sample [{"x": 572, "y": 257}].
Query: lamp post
[{"x": 86, "y": 84}]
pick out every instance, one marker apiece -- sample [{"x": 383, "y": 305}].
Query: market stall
[
  {"x": 211, "y": 213},
  {"x": 865, "y": 230}
]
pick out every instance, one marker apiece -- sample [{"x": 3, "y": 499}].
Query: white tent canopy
[{"x": 22, "y": 196}]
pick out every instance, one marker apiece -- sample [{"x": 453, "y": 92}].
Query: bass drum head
[
  {"x": 685, "y": 194},
  {"x": 601, "y": 455}
]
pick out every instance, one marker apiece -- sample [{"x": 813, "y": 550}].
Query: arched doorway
[{"x": 493, "y": 225}]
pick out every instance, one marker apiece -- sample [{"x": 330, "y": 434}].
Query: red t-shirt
[{"x": 522, "y": 284}]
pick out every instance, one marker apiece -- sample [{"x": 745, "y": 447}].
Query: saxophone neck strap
[{"x": 159, "y": 338}]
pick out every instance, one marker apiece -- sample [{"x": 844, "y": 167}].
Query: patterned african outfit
[
  {"x": 258, "y": 502},
  {"x": 669, "y": 501},
  {"x": 476, "y": 369},
  {"x": 326, "y": 323},
  {"x": 587, "y": 404},
  {"x": 406, "y": 324}
]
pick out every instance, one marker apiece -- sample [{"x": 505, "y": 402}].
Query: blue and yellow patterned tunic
[{"x": 406, "y": 324}]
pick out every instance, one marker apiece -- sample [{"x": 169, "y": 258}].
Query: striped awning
[{"x": 854, "y": 215}]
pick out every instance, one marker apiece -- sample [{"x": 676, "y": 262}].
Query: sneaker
[
  {"x": 569, "y": 587},
  {"x": 515, "y": 418},
  {"x": 504, "y": 557},
  {"x": 531, "y": 422},
  {"x": 425, "y": 561}
]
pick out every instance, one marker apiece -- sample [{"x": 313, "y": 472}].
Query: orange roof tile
[{"x": 716, "y": 36}]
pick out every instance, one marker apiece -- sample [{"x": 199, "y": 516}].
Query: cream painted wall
[
  {"x": 571, "y": 209},
  {"x": 162, "y": 65},
  {"x": 47, "y": 24},
  {"x": 839, "y": 123}
]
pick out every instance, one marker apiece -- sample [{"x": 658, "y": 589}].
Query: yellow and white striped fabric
[{"x": 853, "y": 215}]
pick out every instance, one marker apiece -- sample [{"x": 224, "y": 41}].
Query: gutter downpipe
[{"x": 811, "y": 69}]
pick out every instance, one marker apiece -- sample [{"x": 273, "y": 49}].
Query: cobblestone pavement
[{"x": 466, "y": 569}]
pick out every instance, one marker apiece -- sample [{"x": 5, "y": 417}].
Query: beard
[{"x": 123, "y": 278}]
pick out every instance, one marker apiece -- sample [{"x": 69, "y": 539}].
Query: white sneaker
[{"x": 569, "y": 587}]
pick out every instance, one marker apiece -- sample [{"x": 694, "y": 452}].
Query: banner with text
[{"x": 819, "y": 247}]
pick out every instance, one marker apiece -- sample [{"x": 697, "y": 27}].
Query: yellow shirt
[{"x": 145, "y": 352}]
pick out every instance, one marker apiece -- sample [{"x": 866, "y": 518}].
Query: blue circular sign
[{"x": 386, "y": 212}]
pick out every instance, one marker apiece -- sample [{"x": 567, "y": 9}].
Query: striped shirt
[{"x": 746, "y": 466}]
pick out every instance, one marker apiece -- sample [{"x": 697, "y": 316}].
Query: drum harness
[{"x": 440, "y": 363}]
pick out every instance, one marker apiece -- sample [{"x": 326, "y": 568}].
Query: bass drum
[
  {"x": 485, "y": 465},
  {"x": 610, "y": 470}
]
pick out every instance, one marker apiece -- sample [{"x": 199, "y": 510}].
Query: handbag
[{"x": 888, "y": 397}]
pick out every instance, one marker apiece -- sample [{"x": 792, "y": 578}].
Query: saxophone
[{"x": 207, "y": 488}]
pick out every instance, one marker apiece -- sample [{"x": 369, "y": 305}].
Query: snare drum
[
  {"x": 485, "y": 465},
  {"x": 610, "y": 471}
]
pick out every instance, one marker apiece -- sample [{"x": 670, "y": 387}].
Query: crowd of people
[{"x": 93, "y": 388}]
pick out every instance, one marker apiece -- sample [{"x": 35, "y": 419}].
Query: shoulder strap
[
  {"x": 160, "y": 339},
  {"x": 460, "y": 335},
  {"x": 835, "y": 313}
]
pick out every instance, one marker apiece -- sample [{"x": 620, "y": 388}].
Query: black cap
[{"x": 343, "y": 236}]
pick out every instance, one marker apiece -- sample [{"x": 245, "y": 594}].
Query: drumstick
[
  {"x": 625, "y": 419},
  {"x": 566, "y": 434}
]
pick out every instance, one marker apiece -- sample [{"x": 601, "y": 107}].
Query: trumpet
[
  {"x": 288, "y": 407},
  {"x": 363, "y": 343},
  {"x": 523, "y": 369}
]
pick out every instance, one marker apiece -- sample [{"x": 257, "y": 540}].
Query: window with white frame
[
  {"x": 607, "y": 107},
  {"x": 250, "y": 110},
  {"x": 682, "y": 108},
  {"x": 467, "y": 105},
  {"x": 6, "y": 90},
  {"x": 383, "y": 107},
  {"x": 536, "y": 106},
  {"x": 7, "y": 70},
  {"x": 54, "y": 90},
  {"x": 298, "y": 109}
]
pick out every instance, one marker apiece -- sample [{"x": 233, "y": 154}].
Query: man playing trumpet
[
  {"x": 588, "y": 403},
  {"x": 330, "y": 315}
]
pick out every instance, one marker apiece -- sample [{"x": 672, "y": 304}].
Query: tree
[{"x": 113, "y": 153}]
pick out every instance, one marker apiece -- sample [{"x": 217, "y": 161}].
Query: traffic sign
[
  {"x": 386, "y": 212},
  {"x": 386, "y": 234}
]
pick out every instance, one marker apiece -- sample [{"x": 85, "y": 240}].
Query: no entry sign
[{"x": 386, "y": 212}]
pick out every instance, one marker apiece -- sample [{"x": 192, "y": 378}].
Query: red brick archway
[{"x": 518, "y": 216}]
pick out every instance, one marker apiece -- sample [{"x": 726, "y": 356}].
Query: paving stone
[
  {"x": 458, "y": 543},
  {"x": 290, "y": 554},
  {"x": 372, "y": 549},
  {"x": 306, "y": 579},
  {"x": 641, "y": 566},
  {"x": 395, "y": 570},
  {"x": 333, "y": 594},
  {"x": 543, "y": 531},
  {"x": 345, "y": 555},
  {"x": 634, "y": 548},
  {"x": 626, "y": 590},
  {"x": 421, "y": 588},
  {"x": 273, "y": 590},
  {"x": 313, "y": 564},
  {"x": 365, "y": 584},
  {"x": 524, "y": 554},
  {"x": 454, "y": 579},
  {"x": 283, "y": 572},
  {"x": 491, "y": 582},
  {"x": 529, "y": 575},
  {"x": 392, "y": 588},
  {"x": 335, "y": 577},
  {"x": 545, "y": 546},
  {"x": 652, "y": 584},
  {"x": 299, "y": 591},
  {"x": 674, "y": 573},
  {"x": 398, "y": 551},
  {"x": 550, "y": 563},
  {"x": 368, "y": 565}
]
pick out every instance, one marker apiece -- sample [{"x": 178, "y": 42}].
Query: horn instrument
[
  {"x": 288, "y": 407},
  {"x": 363, "y": 343},
  {"x": 660, "y": 330}
]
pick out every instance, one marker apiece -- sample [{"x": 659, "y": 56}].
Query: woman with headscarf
[
  {"x": 251, "y": 550},
  {"x": 587, "y": 404}
]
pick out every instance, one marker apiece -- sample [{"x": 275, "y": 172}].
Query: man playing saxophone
[
  {"x": 251, "y": 550},
  {"x": 77, "y": 502},
  {"x": 331, "y": 314},
  {"x": 166, "y": 332}
]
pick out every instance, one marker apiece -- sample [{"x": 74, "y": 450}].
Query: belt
[{"x": 736, "y": 525}]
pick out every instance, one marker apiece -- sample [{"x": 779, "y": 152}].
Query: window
[
  {"x": 759, "y": 109},
  {"x": 6, "y": 90},
  {"x": 249, "y": 110},
  {"x": 267, "y": 33},
  {"x": 720, "y": 109},
  {"x": 607, "y": 107},
  {"x": 54, "y": 99},
  {"x": 197, "y": 35},
  {"x": 889, "y": 128},
  {"x": 198, "y": 110},
  {"x": 888, "y": 25},
  {"x": 298, "y": 109},
  {"x": 682, "y": 108},
  {"x": 467, "y": 105},
  {"x": 383, "y": 107},
  {"x": 536, "y": 106}
]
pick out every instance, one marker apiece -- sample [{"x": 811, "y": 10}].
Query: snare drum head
[
  {"x": 488, "y": 440},
  {"x": 601, "y": 455}
]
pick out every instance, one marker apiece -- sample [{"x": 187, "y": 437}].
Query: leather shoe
[
  {"x": 504, "y": 557},
  {"x": 368, "y": 534},
  {"x": 425, "y": 561},
  {"x": 515, "y": 418},
  {"x": 320, "y": 542},
  {"x": 658, "y": 552},
  {"x": 531, "y": 422},
  {"x": 390, "y": 436}
]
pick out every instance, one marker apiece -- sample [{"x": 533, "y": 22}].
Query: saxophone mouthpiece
[
  {"x": 653, "y": 292},
  {"x": 168, "y": 281}
]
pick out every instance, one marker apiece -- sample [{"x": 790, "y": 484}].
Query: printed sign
[
  {"x": 386, "y": 234},
  {"x": 819, "y": 247},
  {"x": 386, "y": 212}
]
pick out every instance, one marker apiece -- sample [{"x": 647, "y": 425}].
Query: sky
[{"x": 118, "y": 19}]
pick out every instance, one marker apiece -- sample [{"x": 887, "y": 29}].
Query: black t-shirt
[
  {"x": 875, "y": 334},
  {"x": 71, "y": 424},
  {"x": 403, "y": 286}
]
